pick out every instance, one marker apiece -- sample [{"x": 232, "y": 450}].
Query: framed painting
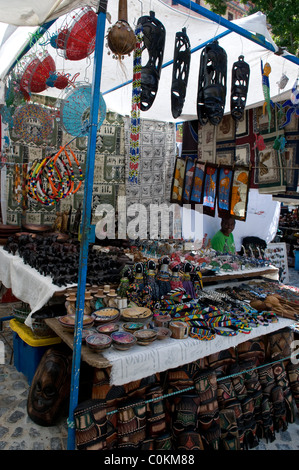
[
  {"x": 178, "y": 181},
  {"x": 197, "y": 184},
  {"x": 239, "y": 197},
  {"x": 188, "y": 180},
  {"x": 225, "y": 180},
  {"x": 210, "y": 189}
]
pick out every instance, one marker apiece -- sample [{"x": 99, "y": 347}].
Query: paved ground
[{"x": 19, "y": 432}]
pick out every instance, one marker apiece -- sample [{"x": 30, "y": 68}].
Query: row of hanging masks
[{"x": 212, "y": 80}]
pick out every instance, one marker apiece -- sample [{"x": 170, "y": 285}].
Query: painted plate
[
  {"x": 133, "y": 326},
  {"x": 136, "y": 314},
  {"x": 145, "y": 335},
  {"x": 108, "y": 328}
]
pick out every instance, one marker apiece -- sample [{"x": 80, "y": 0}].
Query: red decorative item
[
  {"x": 36, "y": 74},
  {"x": 78, "y": 40}
]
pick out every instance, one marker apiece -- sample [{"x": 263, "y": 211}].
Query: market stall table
[{"x": 142, "y": 361}]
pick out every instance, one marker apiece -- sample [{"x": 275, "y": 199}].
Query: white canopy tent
[{"x": 24, "y": 16}]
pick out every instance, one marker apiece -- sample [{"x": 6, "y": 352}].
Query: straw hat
[{"x": 100, "y": 294}]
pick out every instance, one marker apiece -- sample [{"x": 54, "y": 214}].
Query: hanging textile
[
  {"x": 3, "y": 195},
  {"x": 224, "y": 190},
  {"x": 210, "y": 189},
  {"x": 135, "y": 112},
  {"x": 246, "y": 144},
  {"x": 197, "y": 185},
  {"x": 240, "y": 188},
  {"x": 188, "y": 180},
  {"x": 178, "y": 180}
]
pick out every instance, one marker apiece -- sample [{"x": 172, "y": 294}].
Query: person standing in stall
[{"x": 223, "y": 240}]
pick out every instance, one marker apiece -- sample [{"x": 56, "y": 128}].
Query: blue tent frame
[{"x": 86, "y": 228}]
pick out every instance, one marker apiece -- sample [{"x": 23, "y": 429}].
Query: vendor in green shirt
[{"x": 223, "y": 241}]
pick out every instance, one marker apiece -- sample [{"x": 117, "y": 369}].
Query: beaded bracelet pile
[{"x": 53, "y": 178}]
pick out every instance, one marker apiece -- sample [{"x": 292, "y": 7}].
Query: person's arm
[{"x": 217, "y": 242}]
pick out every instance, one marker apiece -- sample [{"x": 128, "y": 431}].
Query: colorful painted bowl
[
  {"x": 107, "y": 328},
  {"x": 98, "y": 341},
  {"x": 123, "y": 340},
  {"x": 106, "y": 315},
  {"x": 68, "y": 321},
  {"x": 133, "y": 326}
]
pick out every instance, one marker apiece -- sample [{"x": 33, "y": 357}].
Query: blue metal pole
[
  {"x": 258, "y": 39},
  {"x": 86, "y": 229}
]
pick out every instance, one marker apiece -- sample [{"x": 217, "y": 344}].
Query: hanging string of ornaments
[{"x": 121, "y": 38}]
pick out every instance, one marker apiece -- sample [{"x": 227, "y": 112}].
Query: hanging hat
[{"x": 106, "y": 289}]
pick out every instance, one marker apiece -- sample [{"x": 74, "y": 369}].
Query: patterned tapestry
[{"x": 157, "y": 140}]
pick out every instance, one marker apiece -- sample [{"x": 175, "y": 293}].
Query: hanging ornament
[
  {"x": 121, "y": 37},
  {"x": 268, "y": 104},
  {"x": 282, "y": 81},
  {"x": 292, "y": 103},
  {"x": 75, "y": 110},
  {"x": 211, "y": 92},
  {"x": 77, "y": 40},
  {"x": 239, "y": 88},
  {"x": 180, "y": 72},
  {"x": 32, "y": 123},
  {"x": 135, "y": 111},
  {"x": 154, "y": 42},
  {"x": 36, "y": 74}
]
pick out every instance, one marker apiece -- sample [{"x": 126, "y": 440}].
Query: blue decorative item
[
  {"x": 75, "y": 111},
  {"x": 292, "y": 103}
]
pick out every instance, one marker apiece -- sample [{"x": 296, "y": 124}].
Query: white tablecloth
[
  {"x": 26, "y": 283},
  {"x": 162, "y": 355}
]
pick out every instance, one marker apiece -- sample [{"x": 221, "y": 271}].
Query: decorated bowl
[
  {"x": 123, "y": 340},
  {"x": 133, "y": 326},
  {"x": 106, "y": 315},
  {"x": 98, "y": 341},
  {"x": 107, "y": 328},
  {"x": 137, "y": 314},
  {"x": 68, "y": 321},
  {"x": 146, "y": 336}
]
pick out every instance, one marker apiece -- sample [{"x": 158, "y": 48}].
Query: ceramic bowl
[
  {"x": 98, "y": 341},
  {"x": 131, "y": 327},
  {"x": 68, "y": 321},
  {"x": 163, "y": 332},
  {"x": 123, "y": 340},
  {"x": 107, "y": 328},
  {"x": 106, "y": 315}
]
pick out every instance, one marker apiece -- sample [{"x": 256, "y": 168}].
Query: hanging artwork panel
[
  {"x": 188, "y": 180},
  {"x": 197, "y": 184},
  {"x": 178, "y": 181},
  {"x": 225, "y": 181},
  {"x": 210, "y": 189},
  {"x": 239, "y": 196}
]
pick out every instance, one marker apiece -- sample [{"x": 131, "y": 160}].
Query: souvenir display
[
  {"x": 49, "y": 390},
  {"x": 188, "y": 180},
  {"x": 154, "y": 42},
  {"x": 239, "y": 88},
  {"x": 180, "y": 72},
  {"x": 224, "y": 190},
  {"x": 121, "y": 38},
  {"x": 197, "y": 185},
  {"x": 178, "y": 181},
  {"x": 211, "y": 91},
  {"x": 210, "y": 189}
]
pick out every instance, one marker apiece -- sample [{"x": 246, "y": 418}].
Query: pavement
[{"x": 19, "y": 432}]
